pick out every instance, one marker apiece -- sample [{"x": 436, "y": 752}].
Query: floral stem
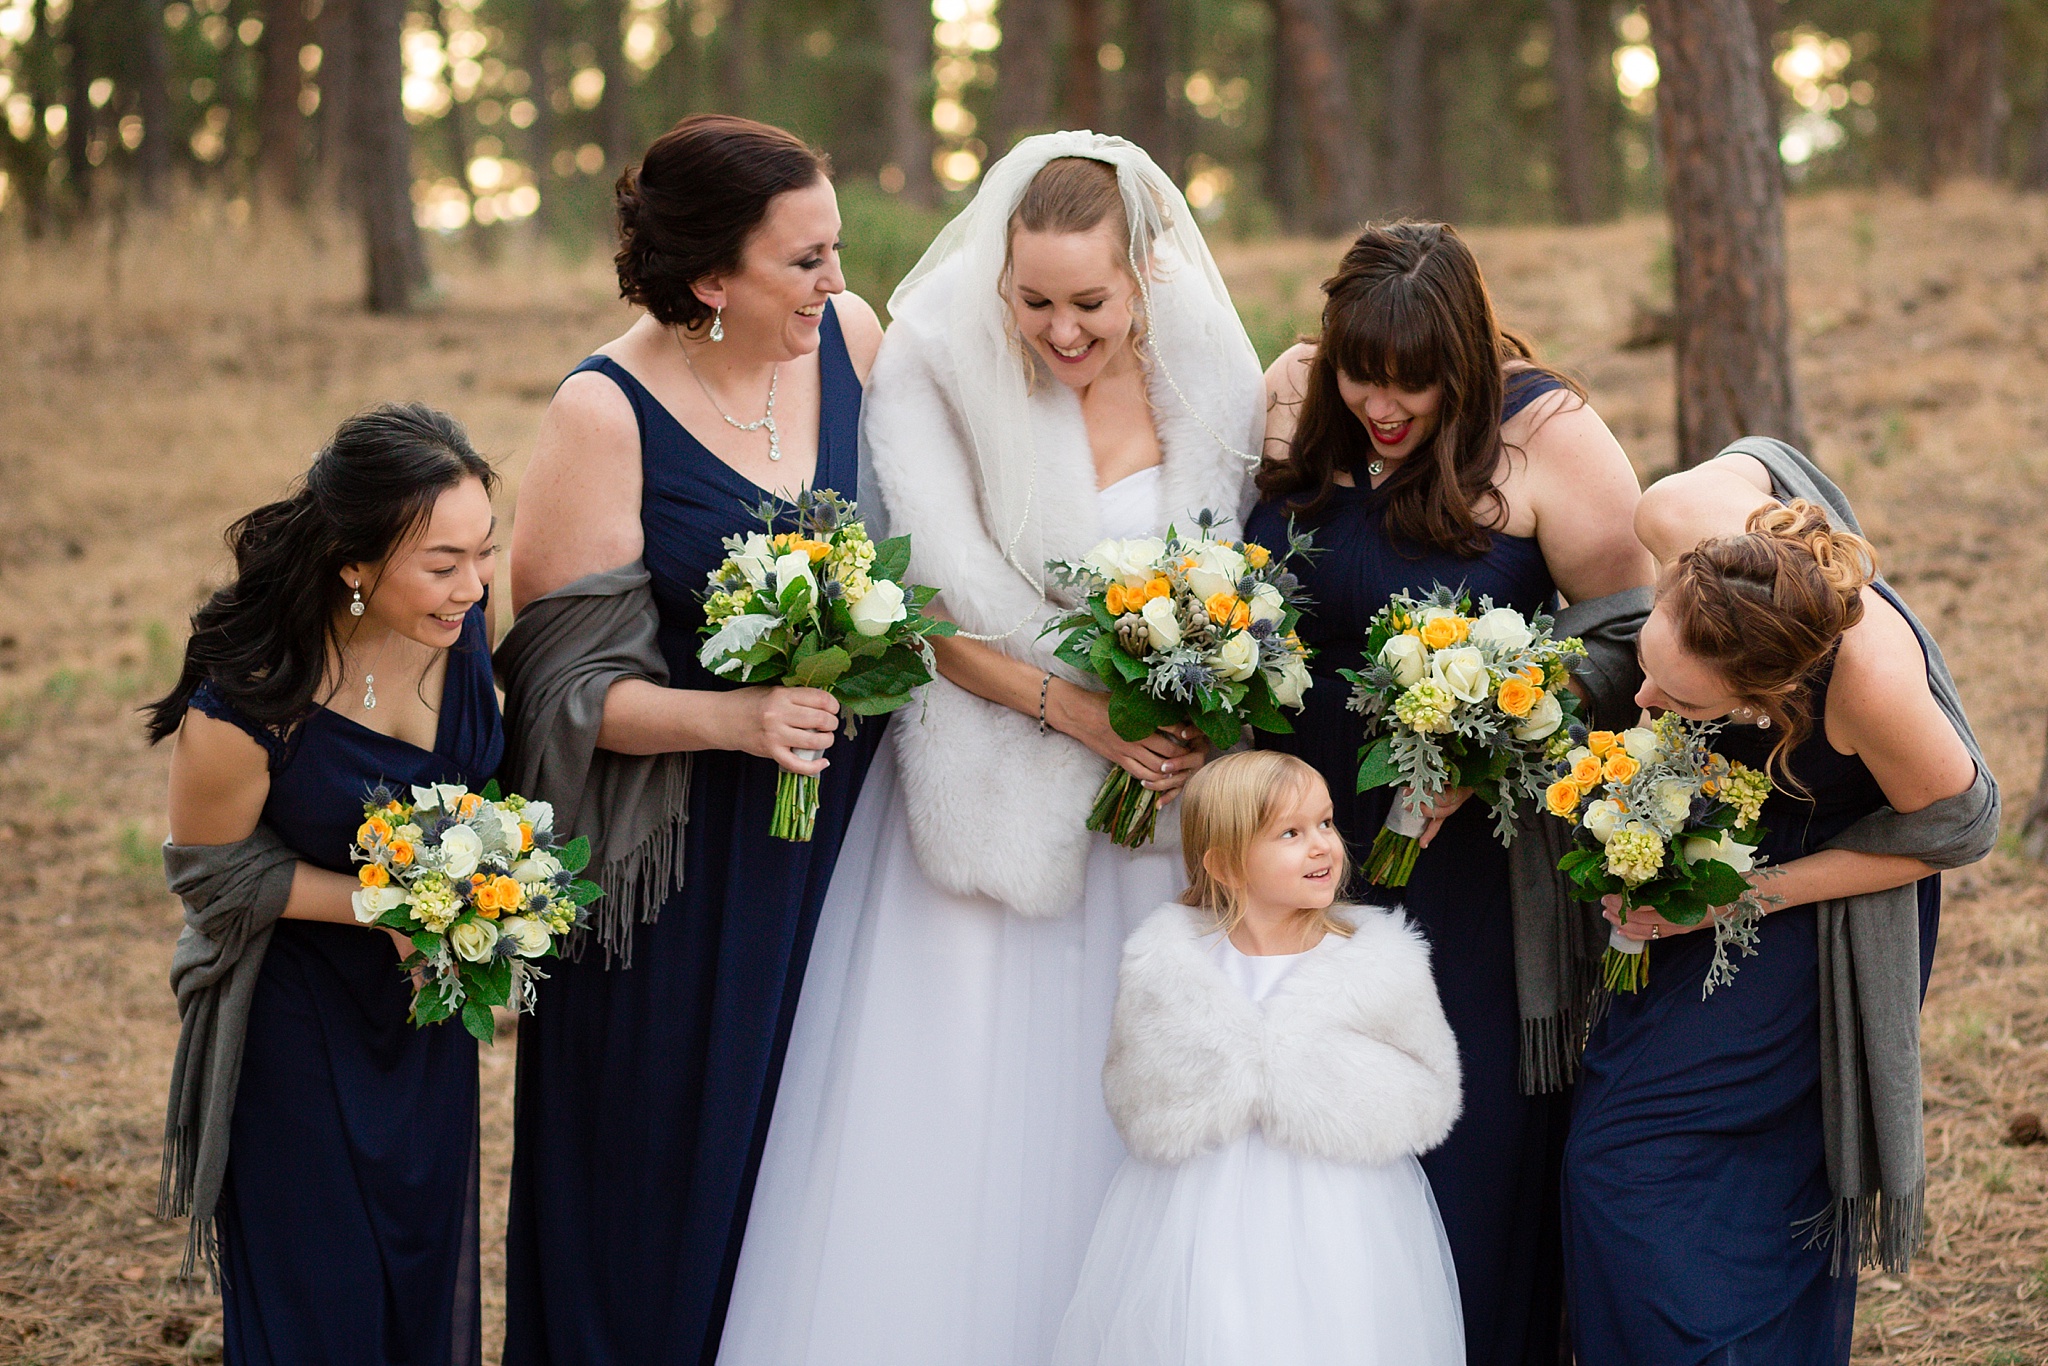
[
  {"x": 796, "y": 807},
  {"x": 1625, "y": 973},
  {"x": 1392, "y": 859},
  {"x": 1125, "y": 810}
]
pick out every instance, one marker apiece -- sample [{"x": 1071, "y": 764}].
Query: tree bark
[
  {"x": 82, "y": 122},
  {"x": 1286, "y": 175},
  {"x": 1414, "y": 169},
  {"x": 1154, "y": 28},
  {"x": 335, "y": 31},
  {"x": 1724, "y": 190},
  {"x": 1339, "y": 157},
  {"x": 2035, "y": 176},
  {"x": 1082, "y": 97},
  {"x": 736, "y": 69},
  {"x": 1966, "y": 52},
  {"x": 280, "y": 127},
  {"x": 1575, "y": 142},
  {"x": 907, "y": 31},
  {"x": 1765, "y": 14},
  {"x": 615, "y": 109},
  {"x": 383, "y": 159},
  {"x": 153, "y": 102},
  {"x": 1023, "y": 100}
]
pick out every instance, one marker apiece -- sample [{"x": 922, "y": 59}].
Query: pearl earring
[
  {"x": 1763, "y": 723},
  {"x": 718, "y": 324},
  {"x": 355, "y": 606}
]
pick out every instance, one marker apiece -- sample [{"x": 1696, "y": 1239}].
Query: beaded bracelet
[{"x": 1044, "y": 686}]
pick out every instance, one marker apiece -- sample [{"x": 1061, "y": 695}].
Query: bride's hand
[
  {"x": 1162, "y": 760},
  {"x": 775, "y": 722}
]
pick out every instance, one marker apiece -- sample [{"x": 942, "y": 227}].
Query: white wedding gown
[
  {"x": 1256, "y": 1256},
  {"x": 940, "y": 1147}
]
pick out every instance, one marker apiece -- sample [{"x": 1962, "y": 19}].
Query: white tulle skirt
[
  {"x": 1250, "y": 1254},
  {"x": 940, "y": 1148}
]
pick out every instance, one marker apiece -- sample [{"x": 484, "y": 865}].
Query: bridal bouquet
[
  {"x": 1194, "y": 630},
  {"x": 1457, "y": 696},
  {"x": 1662, "y": 819},
  {"x": 477, "y": 883},
  {"x": 819, "y": 607}
]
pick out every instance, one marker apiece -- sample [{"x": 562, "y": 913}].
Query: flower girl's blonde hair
[{"x": 1222, "y": 810}]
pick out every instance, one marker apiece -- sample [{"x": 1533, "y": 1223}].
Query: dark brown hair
[
  {"x": 687, "y": 210},
  {"x": 1768, "y": 607},
  {"x": 1408, "y": 308}
]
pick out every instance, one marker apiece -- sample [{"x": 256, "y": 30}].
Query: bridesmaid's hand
[
  {"x": 1642, "y": 924},
  {"x": 1162, "y": 761},
  {"x": 1446, "y": 807},
  {"x": 775, "y": 722},
  {"x": 404, "y": 947}
]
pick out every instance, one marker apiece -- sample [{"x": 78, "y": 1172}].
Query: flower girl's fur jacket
[{"x": 1350, "y": 1057}]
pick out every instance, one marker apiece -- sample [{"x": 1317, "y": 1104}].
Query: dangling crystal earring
[
  {"x": 718, "y": 324},
  {"x": 369, "y": 692},
  {"x": 355, "y": 606}
]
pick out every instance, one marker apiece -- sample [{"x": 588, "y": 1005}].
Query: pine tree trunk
[
  {"x": 1082, "y": 96},
  {"x": 2035, "y": 176},
  {"x": 1339, "y": 157},
  {"x": 1154, "y": 29},
  {"x": 1023, "y": 100},
  {"x": 1286, "y": 175},
  {"x": 383, "y": 159},
  {"x": 615, "y": 109},
  {"x": 737, "y": 63},
  {"x": 908, "y": 32},
  {"x": 1765, "y": 14},
  {"x": 1724, "y": 191},
  {"x": 338, "y": 116},
  {"x": 2034, "y": 831},
  {"x": 280, "y": 127},
  {"x": 1966, "y": 61},
  {"x": 1414, "y": 170},
  {"x": 81, "y": 129},
  {"x": 1575, "y": 143},
  {"x": 153, "y": 102}
]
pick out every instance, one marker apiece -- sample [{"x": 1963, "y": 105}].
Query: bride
[{"x": 1064, "y": 365}]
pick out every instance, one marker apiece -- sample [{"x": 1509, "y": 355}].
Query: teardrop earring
[
  {"x": 355, "y": 606},
  {"x": 718, "y": 324},
  {"x": 369, "y": 692}
]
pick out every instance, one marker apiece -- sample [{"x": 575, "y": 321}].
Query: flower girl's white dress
[{"x": 1250, "y": 1249}]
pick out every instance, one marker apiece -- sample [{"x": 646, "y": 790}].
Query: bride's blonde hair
[{"x": 1222, "y": 810}]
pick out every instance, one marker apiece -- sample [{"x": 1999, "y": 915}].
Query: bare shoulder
[
  {"x": 1714, "y": 499},
  {"x": 861, "y": 328},
  {"x": 220, "y": 778},
  {"x": 1880, "y": 656},
  {"x": 1286, "y": 386},
  {"x": 579, "y": 503}
]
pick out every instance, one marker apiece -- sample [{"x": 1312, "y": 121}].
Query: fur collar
[
  {"x": 1349, "y": 1059},
  {"x": 996, "y": 808}
]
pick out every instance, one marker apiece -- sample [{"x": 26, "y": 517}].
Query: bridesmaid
[
  {"x": 644, "y": 1092},
  {"x": 1697, "y": 1139},
  {"x": 1423, "y": 445},
  {"x": 351, "y": 650}
]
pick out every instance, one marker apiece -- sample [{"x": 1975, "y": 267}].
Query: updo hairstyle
[
  {"x": 687, "y": 210},
  {"x": 1222, "y": 810},
  {"x": 1767, "y": 608},
  {"x": 263, "y": 639}
]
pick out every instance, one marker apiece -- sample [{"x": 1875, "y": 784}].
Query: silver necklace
[
  {"x": 766, "y": 419},
  {"x": 1376, "y": 469}
]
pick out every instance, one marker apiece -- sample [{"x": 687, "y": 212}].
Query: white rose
[
  {"x": 1141, "y": 556},
  {"x": 461, "y": 849},
  {"x": 795, "y": 567},
  {"x": 1671, "y": 802},
  {"x": 529, "y": 937},
  {"x": 1462, "y": 670},
  {"x": 1289, "y": 682},
  {"x": 438, "y": 797},
  {"x": 1504, "y": 629},
  {"x": 1161, "y": 623},
  {"x": 541, "y": 816},
  {"x": 1601, "y": 818},
  {"x": 473, "y": 940},
  {"x": 371, "y": 902},
  {"x": 879, "y": 608},
  {"x": 1741, "y": 857},
  {"x": 1217, "y": 569},
  {"x": 538, "y": 868},
  {"x": 1237, "y": 657},
  {"x": 1407, "y": 657},
  {"x": 1426, "y": 615},
  {"x": 1267, "y": 604},
  {"x": 755, "y": 559},
  {"x": 1640, "y": 742},
  {"x": 1543, "y": 719},
  {"x": 1107, "y": 560}
]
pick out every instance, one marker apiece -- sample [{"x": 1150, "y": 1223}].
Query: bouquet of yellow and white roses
[
  {"x": 1671, "y": 825},
  {"x": 1457, "y": 695},
  {"x": 477, "y": 883},
  {"x": 1180, "y": 629},
  {"x": 819, "y": 607}
]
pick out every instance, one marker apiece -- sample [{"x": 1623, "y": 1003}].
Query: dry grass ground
[{"x": 152, "y": 392}]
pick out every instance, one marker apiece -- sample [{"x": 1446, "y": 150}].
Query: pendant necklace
[
  {"x": 766, "y": 420},
  {"x": 1376, "y": 469}
]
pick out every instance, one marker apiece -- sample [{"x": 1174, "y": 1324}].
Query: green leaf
[
  {"x": 1074, "y": 651},
  {"x": 1683, "y": 907},
  {"x": 491, "y": 792},
  {"x": 582, "y": 893},
  {"x": 397, "y": 918},
  {"x": 575, "y": 855},
  {"x": 1135, "y": 713},
  {"x": 1718, "y": 883},
  {"x": 875, "y": 706},
  {"x": 491, "y": 982},
  {"x": 820, "y": 670},
  {"x": 428, "y": 1007},
  {"x": 478, "y": 1020},
  {"x": 860, "y": 646},
  {"x": 1099, "y": 611},
  {"x": 892, "y": 559},
  {"x": 1376, "y": 767},
  {"x": 427, "y": 942},
  {"x": 1222, "y": 728},
  {"x": 895, "y": 672},
  {"x": 1262, "y": 711}
]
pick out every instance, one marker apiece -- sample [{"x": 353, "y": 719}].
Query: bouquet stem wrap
[
  {"x": 1392, "y": 860},
  {"x": 796, "y": 802},
  {"x": 1625, "y": 967},
  {"x": 1125, "y": 810}
]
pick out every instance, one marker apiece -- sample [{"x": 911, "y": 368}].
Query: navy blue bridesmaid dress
[
  {"x": 1695, "y": 1140},
  {"x": 348, "y": 1219},
  {"x": 1495, "y": 1177},
  {"x": 644, "y": 1092}
]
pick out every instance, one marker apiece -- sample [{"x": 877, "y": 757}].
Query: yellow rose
[
  {"x": 1219, "y": 606},
  {"x": 469, "y": 805},
  {"x": 1157, "y": 588},
  {"x": 373, "y": 875},
  {"x": 401, "y": 852},
  {"x": 510, "y": 894},
  {"x": 817, "y": 550},
  {"x": 1562, "y": 797},
  {"x": 1516, "y": 695},
  {"x": 1619, "y": 767},
  {"x": 1600, "y": 741},
  {"x": 1257, "y": 556},
  {"x": 525, "y": 836},
  {"x": 1440, "y": 633},
  {"x": 1586, "y": 772},
  {"x": 1114, "y": 600}
]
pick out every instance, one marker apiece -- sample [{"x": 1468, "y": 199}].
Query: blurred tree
[
  {"x": 543, "y": 28},
  {"x": 1966, "y": 92},
  {"x": 1286, "y": 171},
  {"x": 1151, "y": 108},
  {"x": 1724, "y": 188},
  {"x": 738, "y": 62},
  {"x": 1339, "y": 155},
  {"x": 1409, "y": 111},
  {"x": 616, "y": 134},
  {"x": 1023, "y": 101},
  {"x": 280, "y": 126},
  {"x": 335, "y": 31},
  {"x": 382, "y": 169},
  {"x": 907, "y": 33},
  {"x": 1576, "y": 146},
  {"x": 153, "y": 103},
  {"x": 1081, "y": 92},
  {"x": 2034, "y": 830}
]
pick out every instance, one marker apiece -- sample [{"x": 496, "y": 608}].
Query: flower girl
[{"x": 1275, "y": 1064}]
